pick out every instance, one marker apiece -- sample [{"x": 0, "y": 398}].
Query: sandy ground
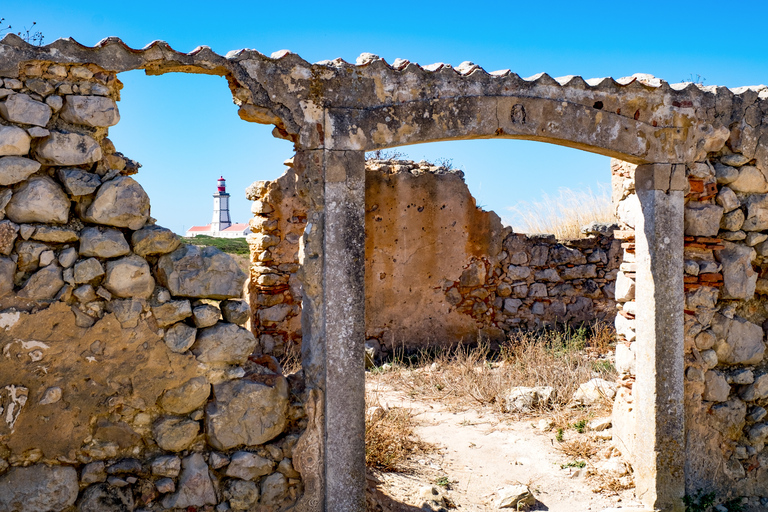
[{"x": 481, "y": 453}]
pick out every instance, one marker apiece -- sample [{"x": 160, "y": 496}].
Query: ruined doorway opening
[{"x": 495, "y": 290}]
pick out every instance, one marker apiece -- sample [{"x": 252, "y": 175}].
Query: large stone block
[
  {"x": 750, "y": 181},
  {"x": 702, "y": 219},
  {"x": 43, "y": 284},
  {"x": 154, "y": 240},
  {"x": 206, "y": 272},
  {"x": 14, "y": 169},
  {"x": 245, "y": 412},
  {"x": 186, "y": 398},
  {"x": 78, "y": 182},
  {"x": 195, "y": 487},
  {"x": 65, "y": 149},
  {"x": 129, "y": 277},
  {"x": 20, "y": 108},
  {"x": 739, "y": 341},
  {"x": 37, "y": 488},
  {"x": 39, "y": 200},
  {"x": 95, "y": 111},
  {"x": 103, "y": 243},
  {"x": 14, "y": 141},
  {"x": 224, "y": 344},
  {"x": 120, "y": 202},
  {"x": 739, "y": 278},
  {"x": 757, "y": 213}
]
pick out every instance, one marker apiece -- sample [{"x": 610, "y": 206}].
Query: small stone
[
  {"x": 93, "y": 472},
  {"x": 195, "y": 488},
  {"x": 247, "y": 413},
  {"x": 51, "y": 396},
  {"x": 205, "y": 315},
  {"x": 238, "y": 311},
  {"x": 85, "y": 293},
  {"x": 754, "y": 238},
  {"x": 81, "y": 72},
  {"x": 43, "y": 285},
  {"x": 710, "y": 358},
  {"x": 46, "y": 258},
  {"x": 8, "y": 231},
  {"x": 224, "y": 343},
  {"x": 738, "y": 340},
  {"x": 741, "y": 376},
  {"x": 20, "y": 108},
  {"x": 165, "y": 485},
  {"x": 166, "y": 465},
  {"x": 14, "y": 141},
  {"x": 716, "y": 388},
  {"x": 175, "y": 434},
  {"x": 129, "y": 276},
  {"x": 67, "y": 149},
  {"x": 78, "y": 182},
  {"x": 727, "y": 199},
  {"x": 750, "y": 181},
  {"x": 103, "y": 243},
  {"x": 41, "y": 87},
  {"x": 273, "y": 489},
  {"x": 757, "y": 390},
  {"x": 14, "y": 169},
  {"x": 36, "y": 132},
  {"x": 201, "y": 272},
  {"x": 248, "y": 466},
  {"x": 218, "y": 460},
  {"x": 241, "y": 494},
  {"x": 88, "y": 270},
  {"x": 171, "y": 312},
  {"x": 705, "y": 340},
  {"x": 38, "y": 487},
  {"x": 120, "y": 202},
  {"x": 725, "y": 173},
  {"x": 40, "y": 199},
  {"x": 702, "y": 219},
  {"x": 125, "y": 466},
  {"x": 691, "y": 267},
  {"x": 184, "y": 399},
  {"x": 739, "y": 278},
  {"x": 55, "y": 234},
  {"x": 600, "y": 424},
  {"x": 516, "y": 497},
  {"x": 594, "y": 390},
  {"x": 92, "y": 111},
  {"x": 127, "y": 312},
  {"x": 55, "y": 102},
  {"x": 734, "y": 159},
  {"x": 113, "y": 497},
  {"x": 154, "y": 240},
  {"x": 526, "y": 399},
  {"x": 180, "y": 337},
  {"x": 732, "y": 221},
  {"x": 756, "y": 414}
]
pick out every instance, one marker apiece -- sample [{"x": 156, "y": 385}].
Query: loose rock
[
  {"x": 120, "y": 202},
  {"x": 206, "y": 272},
  {"x": 93, "y": 111},
  {"x": 249, "y": 466},
  {"x": 40, "y": 199},
  {"x": 129, "y": 277},
  {"x": 154, "y": 240},
  {"x": 14, "y": 169},
  {"x": 224, "y": 343},
  {"x": 103, "y": 243},
  {"x": 20, "y": 108},
  {"x": 14, "y": 141},
  {"x": 67, "y": 149}
]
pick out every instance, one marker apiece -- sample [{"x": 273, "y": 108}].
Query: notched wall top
[{"x": 372, "y": 104}]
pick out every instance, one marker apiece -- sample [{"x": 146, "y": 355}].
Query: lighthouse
[{"x": 221, "y": 219}]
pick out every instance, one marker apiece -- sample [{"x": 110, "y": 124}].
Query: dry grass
[
  {"x": 468, "y": 377},
  {"x": 565, "y": 214},
  {"x": 390, "y": 442}
]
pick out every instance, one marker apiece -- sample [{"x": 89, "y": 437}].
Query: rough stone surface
[
  {"x": 106, "y": 498},
  {"x": 171, "y": 312},
  {"x": 66, "y": 149},
  {"x": 273, "y": 489},
  {"x": 235, "y": 311},
  {"x": 195, "y": 488},
  {"x": 89, "y": 270},
  {"x": 175, "y": 434},
  {"x": 526, "y": 399},
  {"x": 205, "y": 315},
  {"x": 14, "y": 141},
  {"x": 129, "y": 276},
  {"x": 120, "y": 202},
  {"x": 43, "y": 284},
  {"x": 14, "y": 169},
  {"x": 92, "y": 111},
  {"x": 739, "y": 277},
  {"x": 193, "y": 271},
  {"x": 78, "y": 182},
  {"x": 180, "y": 337},
  {"x": 716, "y": 387},
  {"x": 246, "y": 413},
  {"x": 36, "y": 488},
  {"x": 224, "y": 343},
  {"x": 249, "y": 466},
  {"x": 39, "y": 199},
  {"x": 702, "y": 219},
  {"x": 242, "y": 495},
  {"x": 154, "y": 240},
  {"x": 184, "y": 399},
  {"x": 166, "y": 465},
  {"x": 20, "y": 108},
  {"x": 516, "y": 497},
  {"x": 738, "y": 340},
  {"x": 103, "y": 243}
]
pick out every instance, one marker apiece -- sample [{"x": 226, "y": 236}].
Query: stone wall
[
  {"x": 126, "y": 378},
  {"x": 439, "y": 270}
]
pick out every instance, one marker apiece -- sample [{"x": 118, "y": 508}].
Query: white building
[{"x": 221, "y": 226}]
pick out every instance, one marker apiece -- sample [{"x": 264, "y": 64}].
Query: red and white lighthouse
[{"x": 221, "y": 219}]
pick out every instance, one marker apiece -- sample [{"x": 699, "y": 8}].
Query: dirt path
[{"x": 482, "y": 453}]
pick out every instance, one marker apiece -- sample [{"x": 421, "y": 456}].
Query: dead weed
[{"x": 390, "y": 442}]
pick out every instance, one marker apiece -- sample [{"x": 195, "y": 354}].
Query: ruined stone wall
[
  {"x": 126, "y": 379},
  {"x": 439, "y": 270}
]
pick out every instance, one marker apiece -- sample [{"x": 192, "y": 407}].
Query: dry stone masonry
[
  {"x": 127, "y": 381},
  {"x": 122, "y": 386},
  {"x": 439, "y": 270}
]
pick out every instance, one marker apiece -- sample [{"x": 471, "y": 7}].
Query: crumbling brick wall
[
  {"x": 126, "y": 376},
  {"x": 439, "y": 270}
]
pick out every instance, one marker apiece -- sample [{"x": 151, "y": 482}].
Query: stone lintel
[{"x": 660, "y": 456}]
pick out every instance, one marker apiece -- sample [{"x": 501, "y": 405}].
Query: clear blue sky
[{"x": 185, "y": 130}]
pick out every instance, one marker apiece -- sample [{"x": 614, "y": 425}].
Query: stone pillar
[
  {"x": 660, "y": 457},
  {"x": 332, "y": 258}
]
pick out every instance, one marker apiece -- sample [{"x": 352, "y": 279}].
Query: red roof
[
  {"x": 200, "y": 228},
  {"x": 236, "y": 227}
]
